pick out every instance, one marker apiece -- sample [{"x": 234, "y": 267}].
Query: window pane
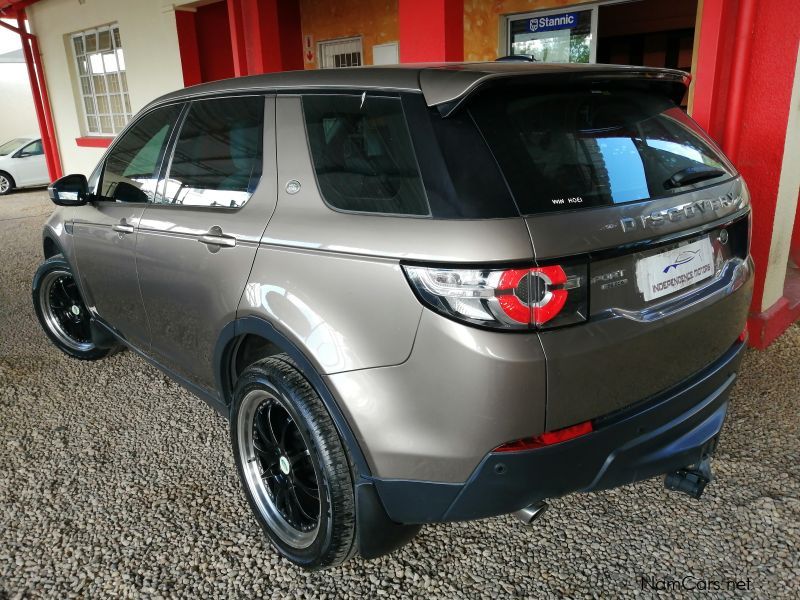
[
  {"x": 88, "y": 104},
  {"x": 91, "y": 42},
  {"x": 105, "y": 124},
  {"x": 78, "y": 43},
  {"x": 117, "y": 39},
  {"x": 578, "y": 149},
  {"x": 363, "y": 155},
  {"x": 217, "y": 159},
  {"x": 99, "y": 84},
  {"x": 92, "y": 124},
  {"x": 104, "y": 40},
  {"x": 33, "y": 149},
  {"x": 131, "y": 170},
  {"x": 554, "y": 38},
  {"x": 116, "y": 104}
]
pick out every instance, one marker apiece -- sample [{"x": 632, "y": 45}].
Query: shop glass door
[{"x": 560, "y": 36}]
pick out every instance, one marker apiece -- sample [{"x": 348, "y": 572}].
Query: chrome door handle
[
  {"x": 218, "y": 240},
  {"x": 122, "y": 228}
]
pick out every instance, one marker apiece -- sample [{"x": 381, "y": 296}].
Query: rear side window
[
  {"x": 217, "y": 156},
  {"x": 363, "y": 155},
  {"x": 584, "y": 148}
]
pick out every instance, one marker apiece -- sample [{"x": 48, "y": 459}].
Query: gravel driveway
[{"x": 114, "y": 481}]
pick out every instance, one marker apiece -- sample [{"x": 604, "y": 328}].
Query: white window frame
[
  {"x": 117, "y": 119},
  {"x": 322, "y": 45},
  {"x": 558, "y": 11}
]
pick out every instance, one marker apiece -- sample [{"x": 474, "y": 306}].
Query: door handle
[
  {"x": 122, "y": 228},
  {"x": 215, "y": 237}
]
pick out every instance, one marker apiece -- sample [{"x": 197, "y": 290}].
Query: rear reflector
[
  {"x": 743, "y": 335},
  {"x": 547, "y": 439}
]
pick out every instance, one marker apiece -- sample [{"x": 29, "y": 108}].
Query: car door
[
  {"x": 198, "y": 238},
  {"x": 105, "y": 229},
  {"x": 29, "y": 166}
]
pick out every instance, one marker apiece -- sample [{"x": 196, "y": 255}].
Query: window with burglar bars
[
  {"x": 100, "y": 66},
  {"x": 340, "y": 53}
]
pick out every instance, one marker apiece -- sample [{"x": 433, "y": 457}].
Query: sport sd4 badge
[{"x": 688, "y": 210}]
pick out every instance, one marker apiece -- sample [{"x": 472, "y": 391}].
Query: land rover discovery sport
[{"x": 419, "y": 294}]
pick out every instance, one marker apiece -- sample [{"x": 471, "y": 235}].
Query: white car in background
[{"x": 22, "y": 164}]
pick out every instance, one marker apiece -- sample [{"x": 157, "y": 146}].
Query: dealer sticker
[{"x": 675, "y": 269}]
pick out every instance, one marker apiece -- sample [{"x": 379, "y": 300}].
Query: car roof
[{"x": 445, "y": 85}]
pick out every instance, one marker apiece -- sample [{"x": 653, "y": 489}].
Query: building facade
[
  {"x": 17, "y": 118},
  {"x": 100, "y": 61}
]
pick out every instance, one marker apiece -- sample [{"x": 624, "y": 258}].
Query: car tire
[
  {"x": 6, "y": 183},
  {"x": 295, "y": 471},
  {"x": 61, "y": 311}
]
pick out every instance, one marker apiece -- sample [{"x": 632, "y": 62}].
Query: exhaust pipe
[{"x": 530, "y": 513}]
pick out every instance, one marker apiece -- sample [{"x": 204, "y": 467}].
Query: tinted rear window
[
  {"x": 586, "y": 148},
  {"x": 362, "y": 153}
]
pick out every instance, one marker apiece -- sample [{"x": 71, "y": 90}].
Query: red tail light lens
[
  {"x": 539, "y": 297},
  {"x": 548, "y": 438}
]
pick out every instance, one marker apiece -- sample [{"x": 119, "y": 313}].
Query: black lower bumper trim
[{"x": 676, "y": 429}]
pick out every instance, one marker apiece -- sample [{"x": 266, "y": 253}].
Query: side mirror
[{"x": 70, "y": 190}]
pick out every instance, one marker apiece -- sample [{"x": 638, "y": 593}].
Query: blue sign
[{"x": 553, "y": 22}]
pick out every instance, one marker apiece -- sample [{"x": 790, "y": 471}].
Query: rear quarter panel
[{"x": 332, "y": 281}]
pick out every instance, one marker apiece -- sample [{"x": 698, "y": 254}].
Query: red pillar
[
  {"x": 746, "y": 63},
  {"x": 238, "y": 46},
  {"x": 186, "y": 25},
  {"x": 431, "y": 30},
  {"x": 41, "y": 100},
  {"x": 265, "y": 36},
  {"x": 795, "y": 250}
]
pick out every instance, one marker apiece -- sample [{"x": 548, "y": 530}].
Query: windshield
[
  {"x": 12, "y": 145},
  {"x": 563, "y": 150}
]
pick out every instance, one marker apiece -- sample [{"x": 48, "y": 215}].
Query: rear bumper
[{"x": 672, "y": 430}]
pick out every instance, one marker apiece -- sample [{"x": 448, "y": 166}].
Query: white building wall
[
  {"x": 152, "y": 61},
  {"x": 17, "y": 115}
]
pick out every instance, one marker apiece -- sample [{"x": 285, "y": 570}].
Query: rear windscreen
[{"x": 565, "y": 150}]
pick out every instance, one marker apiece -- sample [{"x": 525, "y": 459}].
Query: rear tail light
[
  {"x": 532, "y": 297},
  {"x": 548, "y": 438}
]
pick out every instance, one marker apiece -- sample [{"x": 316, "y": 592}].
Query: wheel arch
[
  {"x": 50, "y": 246},
  {"x": 10, "y": 178},
  {"x": 254, "y": 338}
]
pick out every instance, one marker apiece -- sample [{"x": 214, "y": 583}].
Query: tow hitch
[{"x": 690, "y": 480}]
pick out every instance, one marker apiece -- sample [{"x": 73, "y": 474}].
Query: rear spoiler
[{"x": 449, "y": 88}]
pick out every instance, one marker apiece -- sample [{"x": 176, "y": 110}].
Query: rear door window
[
  {"x": 363, "y": 155},
  {"x": 571, "y": 149},
  {"x": 217, "y": 157}
]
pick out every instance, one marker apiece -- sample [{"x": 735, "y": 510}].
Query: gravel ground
[{"x": 114, "y": 481}]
